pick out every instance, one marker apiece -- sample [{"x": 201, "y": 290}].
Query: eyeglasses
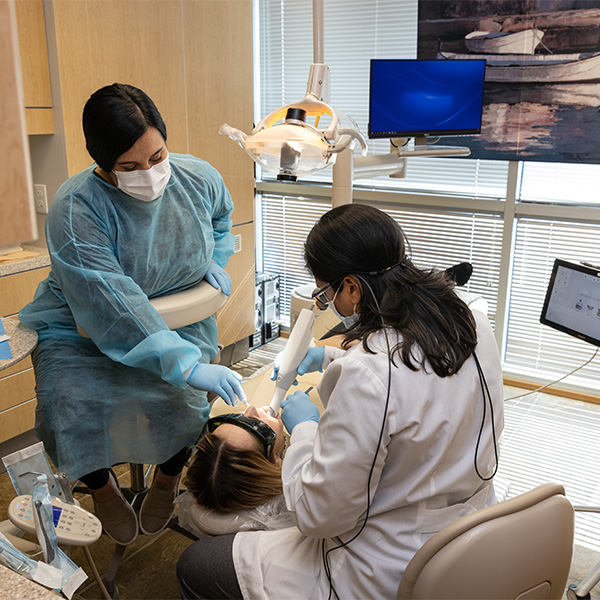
[
  {"x": 259, "y": 429},
  {"x": 320, "y": 295}
]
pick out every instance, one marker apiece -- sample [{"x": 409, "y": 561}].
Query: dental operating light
[{"x": 284, "y": 143}]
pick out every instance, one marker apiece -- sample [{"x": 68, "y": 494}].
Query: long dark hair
[
  {"x": 114, "y": 118},
  {"x": 226, "y": 478},
  {"x": 421, "y": 305}
]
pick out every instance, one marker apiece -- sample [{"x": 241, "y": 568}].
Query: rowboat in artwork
[
  {"x": 519, "y": 42},
  {"x": 537, "y": 68}
]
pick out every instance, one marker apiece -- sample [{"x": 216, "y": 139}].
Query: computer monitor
[
  {"x": 572, "y": 303},
  {"x": 415, "y": 98}
]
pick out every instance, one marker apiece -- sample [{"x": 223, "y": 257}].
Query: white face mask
[
  {"x": 346, "y": 321},
  {"x": 145, "y": 185}
]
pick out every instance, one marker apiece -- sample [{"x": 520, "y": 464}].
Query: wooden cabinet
[
  {"x": 17, "y": 383},
  {"x": 17, "y": 216},
  {"x": 17, "y": 290},
  {"x": 194, "y": 59},
  {"x": 34, "y": 66},
  {"x": 235, "y": 319}
]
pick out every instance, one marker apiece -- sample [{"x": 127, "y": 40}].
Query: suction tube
[{"x": 293, "y": 353}]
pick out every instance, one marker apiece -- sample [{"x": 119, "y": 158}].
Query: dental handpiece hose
[{"x": 293, "y": 353}]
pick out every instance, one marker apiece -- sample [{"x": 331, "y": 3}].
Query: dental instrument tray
[{"x": 75, "y": 526}]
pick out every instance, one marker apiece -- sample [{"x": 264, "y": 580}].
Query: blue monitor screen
[{"x": 425, "y": 97}]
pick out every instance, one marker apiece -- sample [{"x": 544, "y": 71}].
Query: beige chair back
[{"x": 519, "y": 549}]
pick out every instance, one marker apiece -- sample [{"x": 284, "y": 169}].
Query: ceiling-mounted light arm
[
  {"x": 283, "y": 142},
  {"x": 318, "y": 37}
]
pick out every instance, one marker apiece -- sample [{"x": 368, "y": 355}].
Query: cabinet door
[
  {"x": 34, "y": 66},
  {"x": 100, "y": 42},
  {"x": 218, "y": 43},
  {"x": 17, "y": 216},
  {"x": 18, "y": 290},
  {"x": 236, "y": 319}
]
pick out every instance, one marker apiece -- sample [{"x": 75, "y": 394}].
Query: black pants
[
  {"x": 205, "y": 570},
  {"x": 171, "y": 467}
]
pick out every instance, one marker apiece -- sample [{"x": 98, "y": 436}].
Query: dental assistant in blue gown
[{"x": 137, "y": 224}]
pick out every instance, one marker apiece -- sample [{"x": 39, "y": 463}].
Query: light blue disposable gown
[{"x": 121, "y": 396}]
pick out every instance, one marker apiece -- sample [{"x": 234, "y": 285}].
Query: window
[
  {"x": 509, "y": 219},
  {"x": 532, "y": 348}
]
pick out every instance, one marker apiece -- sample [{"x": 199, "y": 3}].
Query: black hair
[
  {"x": 421, "y": 305},
  {"x": 114, "y": 118}
]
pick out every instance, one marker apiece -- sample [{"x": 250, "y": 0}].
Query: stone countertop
[
  {"x": 17, "y": 587},
  {"x": 26, "y": 264},
  {"x": 22, "y": 341}
]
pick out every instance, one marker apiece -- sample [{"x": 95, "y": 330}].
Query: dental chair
[
  {"x": 177, "y": 310},
  {"x": 519, "y": 549}
]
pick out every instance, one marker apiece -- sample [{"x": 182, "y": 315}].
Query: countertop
[
  {"x": 22, "y": 341},
  {"x": 17, "y": 587},
  {"x": 26, "y": 264}
]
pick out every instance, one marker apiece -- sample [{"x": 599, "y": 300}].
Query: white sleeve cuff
[{"x": 303, "y": 431}]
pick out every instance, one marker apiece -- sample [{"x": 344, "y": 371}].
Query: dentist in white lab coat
[{"x": 406, "y": 444}]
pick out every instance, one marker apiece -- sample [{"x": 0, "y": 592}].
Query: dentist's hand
[
  {"x": 218, "y": 277},
  {"x": 218, "y": 379},
  {"x": 312, "y": 361},
  {"x": 298, "y": 408}
]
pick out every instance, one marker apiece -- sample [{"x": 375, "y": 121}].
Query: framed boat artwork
[{"x": 542, "y": 78}]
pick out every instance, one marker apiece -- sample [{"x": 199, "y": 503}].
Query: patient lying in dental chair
[
  {"x": 234, "y": 480},
  {"x": 234, "y": 477}
]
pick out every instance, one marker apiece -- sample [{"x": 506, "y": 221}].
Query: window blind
[
  {"x": 560, "y": 182},
  {"x": 436, "y": 240},
  {"x": 533, "y": 348}
]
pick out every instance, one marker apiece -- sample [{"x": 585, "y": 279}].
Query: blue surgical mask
[{"x": 346, "y": 321}]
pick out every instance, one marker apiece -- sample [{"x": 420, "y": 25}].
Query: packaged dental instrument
[
  {"x": 72, "y": 575},
  {"x": 19, "y": 562},
  {"x": 24, "y": 467},
  {"x": 5, "y": 351}
]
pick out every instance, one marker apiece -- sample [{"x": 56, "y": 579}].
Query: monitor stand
[{"x": 422, "y": 147}]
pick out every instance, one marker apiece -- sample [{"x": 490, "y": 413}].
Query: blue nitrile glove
[
  {"x": 312, "y": 361},
  {"x": 218, "y": 379},
  {"x": 297, "y": 408},
  {"x": 218, "y": 277}
]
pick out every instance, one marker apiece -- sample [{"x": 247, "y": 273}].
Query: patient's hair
[{"x": 227, "y": 479}]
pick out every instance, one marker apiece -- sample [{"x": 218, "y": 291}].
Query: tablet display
[{"x": 572, "y": 301}]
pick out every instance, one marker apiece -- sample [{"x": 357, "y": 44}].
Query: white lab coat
[{"x": 423, "y": 478}]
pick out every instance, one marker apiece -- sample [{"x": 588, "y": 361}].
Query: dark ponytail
[{"x": 421, "y": 305}]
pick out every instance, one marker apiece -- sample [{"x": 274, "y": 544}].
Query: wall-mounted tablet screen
[{"x": 572, "y": 301}]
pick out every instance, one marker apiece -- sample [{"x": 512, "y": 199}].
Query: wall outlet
[
  {"x": 40, "y": 197},
  {"x": 238, "y": 244}
]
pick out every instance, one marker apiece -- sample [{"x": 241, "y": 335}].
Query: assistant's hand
[
  {"x": 298, "y": 408},
  {"x": 218, "y": 277},
  {"x": 218, "y": 379}
]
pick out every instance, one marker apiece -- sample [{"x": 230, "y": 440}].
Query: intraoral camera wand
[{"x": 293, "y": 353}]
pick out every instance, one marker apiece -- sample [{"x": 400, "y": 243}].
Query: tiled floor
[{"x": 546, "y": 438}]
